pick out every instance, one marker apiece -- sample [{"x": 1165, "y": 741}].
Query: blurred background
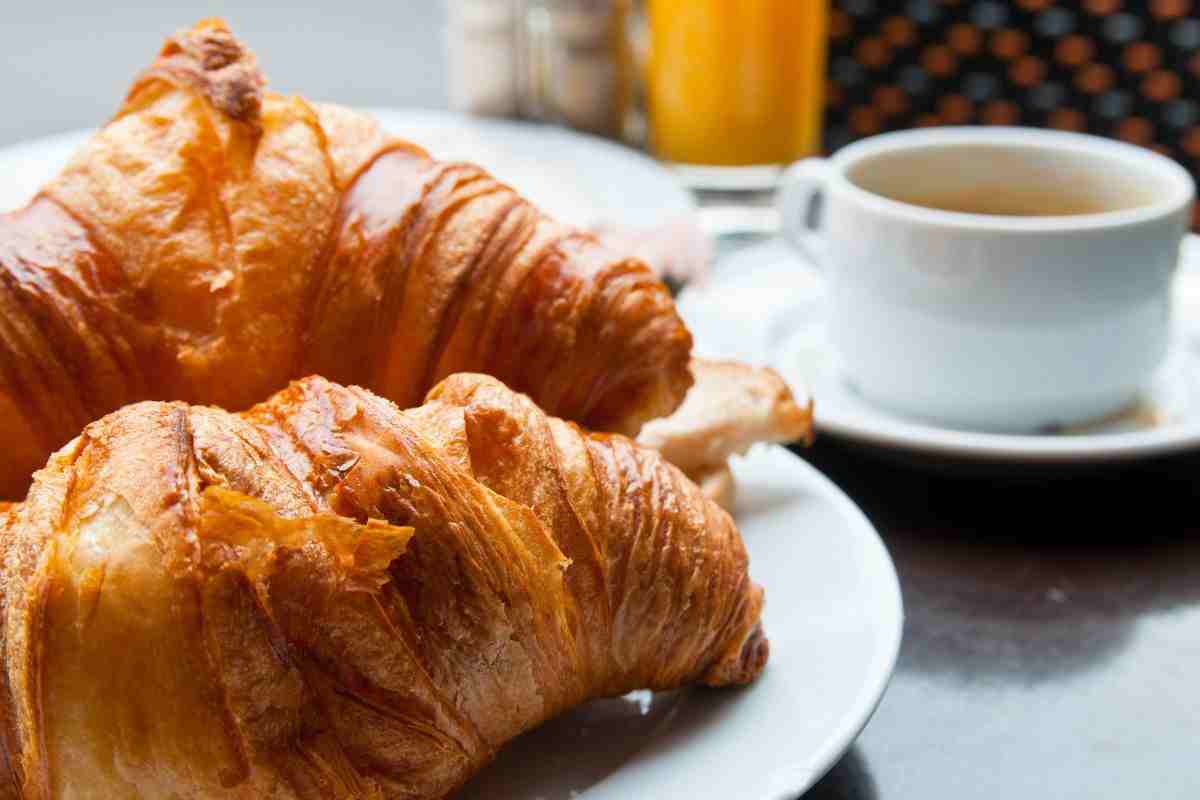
[
  {"x": 1128, "y": 69},
  {"x": 65, "y": 64},
  {"x": 723, "y": 81}
]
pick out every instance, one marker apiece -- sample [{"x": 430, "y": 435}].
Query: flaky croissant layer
[
  {"x": 327, "y": 597},
  {"x": 216, "y": 240}
]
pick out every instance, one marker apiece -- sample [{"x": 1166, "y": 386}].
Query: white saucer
[
  {"x": 764, "y": 304},
  {"x": 834, "y": 619},
  {"x": 568, "y": 174}
]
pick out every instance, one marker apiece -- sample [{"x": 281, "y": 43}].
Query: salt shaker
[{"x": 482, "y": 44}]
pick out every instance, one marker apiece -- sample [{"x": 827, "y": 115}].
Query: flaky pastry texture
[
  {"x": 215, "y": 240},
  {"x": 328, "y": 597}
]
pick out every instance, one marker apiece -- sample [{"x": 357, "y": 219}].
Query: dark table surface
[
  {"x": 1052, "y": 636},
  {"x": 1052, "y": 643}
]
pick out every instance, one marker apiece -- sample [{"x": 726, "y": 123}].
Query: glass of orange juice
[{"x": 735, "y": 82}]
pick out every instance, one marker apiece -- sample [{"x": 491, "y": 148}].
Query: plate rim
[
  {"x": 867, "y": 703},
  {"x": 925, "y": 439}
]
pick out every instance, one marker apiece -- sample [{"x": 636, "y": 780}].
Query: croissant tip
[
  {"x": 210, "y": 59},
  {"x": 755, "y": 653},
  {"x": 747, "y": 665}
]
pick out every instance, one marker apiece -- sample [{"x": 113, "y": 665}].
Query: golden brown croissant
[
  {"x": 327, "y": 597},
  {"x": 216, "y": 240}
]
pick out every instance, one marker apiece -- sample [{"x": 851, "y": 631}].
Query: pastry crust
[
  {"x": 327, "y": 597},
  {"x": 216, "y": 240}
]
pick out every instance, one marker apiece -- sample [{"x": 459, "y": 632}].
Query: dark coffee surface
[{"x": 1009, "y": 202}]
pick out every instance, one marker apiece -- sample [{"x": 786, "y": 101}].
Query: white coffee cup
[{"x": 1042, "y": 299}]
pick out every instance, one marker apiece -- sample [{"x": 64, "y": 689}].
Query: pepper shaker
[{"x": 575, "y": 63}]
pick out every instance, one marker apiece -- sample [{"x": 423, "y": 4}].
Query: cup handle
[{"x": 800, "y": 188}]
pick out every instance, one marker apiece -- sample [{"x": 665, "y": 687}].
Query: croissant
[
  {"x": 216, "y": 240},
  {"x": 327, "y": 597}
]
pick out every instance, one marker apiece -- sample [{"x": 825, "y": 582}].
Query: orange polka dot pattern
[{"x": 1128, "y": 69}]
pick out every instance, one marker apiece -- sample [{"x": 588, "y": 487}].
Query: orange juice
[{"x": 736, "y": 82}]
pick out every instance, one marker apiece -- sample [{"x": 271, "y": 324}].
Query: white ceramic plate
[
  {"x": 833, "y": 613},
  {"x": 764, "y": 304},
  {"x": 570, "y": 175},
  {"x": 833, "y": 617}
]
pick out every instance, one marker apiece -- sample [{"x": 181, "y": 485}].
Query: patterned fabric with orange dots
[{"x": 1128, "y": 69}]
